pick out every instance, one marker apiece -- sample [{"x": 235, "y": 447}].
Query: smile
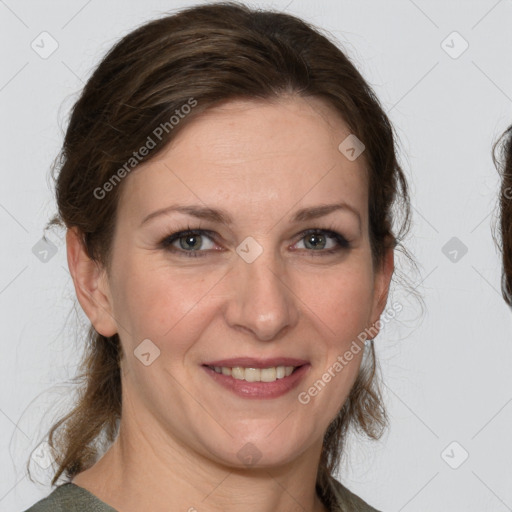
[
  {"x": 255, "y": 374},
  {"x": 258, "y": 383}
]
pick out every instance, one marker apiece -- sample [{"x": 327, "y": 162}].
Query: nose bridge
[{"x": 261, "y": 300}]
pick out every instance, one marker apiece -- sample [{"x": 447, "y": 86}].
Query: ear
[
  {"x": 91, "y": 284},
  {"x": 381, "y": 287}
]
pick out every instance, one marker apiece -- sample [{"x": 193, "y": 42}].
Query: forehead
[{"x": 271, "y": 156}]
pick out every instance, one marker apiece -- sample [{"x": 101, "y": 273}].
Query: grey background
[{"x": 446, "y": 371}]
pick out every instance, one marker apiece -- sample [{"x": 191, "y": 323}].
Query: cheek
[
  {"x": 340, "y": 299},
  {"x": 164, "y": 303}
]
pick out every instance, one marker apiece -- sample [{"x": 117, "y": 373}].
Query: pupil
[
  {"x": 315, "y": 238},
  {"x": 189, "y": 240}
]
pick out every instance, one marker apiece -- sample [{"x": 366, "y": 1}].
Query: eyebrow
[{"x": 222, "y": 217}]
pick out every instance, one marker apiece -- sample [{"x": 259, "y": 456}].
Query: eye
[
  {"x": 191, "y": 242},
  {"x": 317, "y": 241}
]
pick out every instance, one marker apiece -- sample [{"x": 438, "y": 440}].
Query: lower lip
[{"x": 260, "y": 389}]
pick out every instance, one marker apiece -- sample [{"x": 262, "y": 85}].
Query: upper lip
[{"x": 251, "y": 362}]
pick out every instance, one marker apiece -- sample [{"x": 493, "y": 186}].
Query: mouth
[
  {"x": 258, "y": 378},
  {"x": 249, "y": 374}
]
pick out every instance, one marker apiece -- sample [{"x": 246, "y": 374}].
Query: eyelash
[{"x": 165, "y": 243}]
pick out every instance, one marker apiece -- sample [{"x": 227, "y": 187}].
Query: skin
[{"x": 180, "y": 431}]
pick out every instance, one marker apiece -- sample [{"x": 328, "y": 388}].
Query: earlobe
[
  {"x": 382, "y": 284},
  {"x": 91, "y": 285}
]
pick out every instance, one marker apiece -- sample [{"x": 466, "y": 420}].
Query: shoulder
[
  {"x": 348, "y": 501},
  {"x": 69, "y": 497}
]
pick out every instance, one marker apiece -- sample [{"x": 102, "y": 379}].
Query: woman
[
  {"x": 227, "y": 182},
  {"x": 502, "y": 156}
]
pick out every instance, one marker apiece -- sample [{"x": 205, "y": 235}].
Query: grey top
[{"x": 69, "y": 497}]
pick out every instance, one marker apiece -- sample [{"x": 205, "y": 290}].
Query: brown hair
[
  {"x": 212, "y": 53},
  {"x": 502, "y": 157}
]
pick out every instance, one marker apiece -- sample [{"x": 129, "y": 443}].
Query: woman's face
[{"x": 253, "y": 287}]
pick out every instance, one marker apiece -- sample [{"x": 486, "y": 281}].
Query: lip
[
  {"x": 251, "y": 362},
  {"x": 259, "y": 390}
]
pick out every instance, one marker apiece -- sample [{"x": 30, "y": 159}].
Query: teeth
[{"x": 256, "y": 374}]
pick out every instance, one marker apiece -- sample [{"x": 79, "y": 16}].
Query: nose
[{"x": 261, "y": 300}]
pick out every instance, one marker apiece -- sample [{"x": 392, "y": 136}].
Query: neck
[{"x": 140, "y": 472}]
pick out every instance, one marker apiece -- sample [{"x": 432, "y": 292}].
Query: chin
[{"x": 253, "y": 451}]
